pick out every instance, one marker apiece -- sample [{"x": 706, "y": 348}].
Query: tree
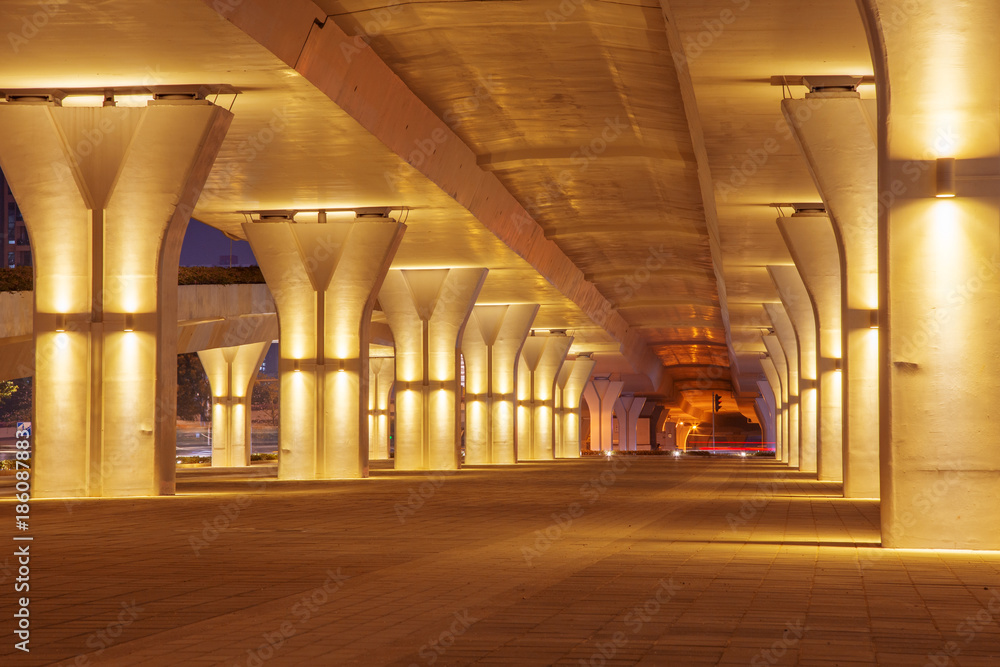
[
  {"x": 194, "y": 395},
  {"x": 15, "y": 400},
  {"x": 7, "y": 389},
  {"x": 266, "y": 399}
]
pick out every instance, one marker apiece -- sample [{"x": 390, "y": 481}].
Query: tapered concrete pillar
[
  {"x": 381, "y": 374},
  {"x": 627, "y": 409},
  {"x": 601, "y": 394},
  {"x": 541, "y": 358},
  {"x": 813, "y": 245},
  {"x": 572, "y": 379},
  {"x": 780, "y": 409},
  {"x": 838, "y": 140},
  {"x": 939, "y": 273},
  {"x": 491, "y": 347},
  {"x": 427, "y": 310},
  {"x": 683, "y": 431},
  {"x": 797, "y": 323},
  {"x": 657, "y": 418},
  {"x": 324, "y": 278},
  {"x": 232, "y": 372},
  {"x": 106, "y": 193},
  {"x": 787, "y": 367},
  {"x": 767, "y": 413}
]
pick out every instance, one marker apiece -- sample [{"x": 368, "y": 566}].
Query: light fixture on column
[
  {"x": 873, "y": 319},
  {"x": 60, "y": 322},
  {"x": 129, "y": 323},
  {"x": 296, "y": 366},
  {"x": 340, "y": 366},
  {"x": 369, "y": 213},
  {"x": 838, "y": 365},
  {"x": 945, "y": 177}
]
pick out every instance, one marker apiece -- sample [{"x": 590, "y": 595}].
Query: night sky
[{"x": 207, "y": 246}]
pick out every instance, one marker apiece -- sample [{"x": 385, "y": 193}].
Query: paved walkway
[{"x": 630, "y": 561}]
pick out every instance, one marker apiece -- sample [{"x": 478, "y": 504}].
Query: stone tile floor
[{"x": 629, "y": 561}]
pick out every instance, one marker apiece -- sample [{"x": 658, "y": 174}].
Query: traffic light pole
[{"x": 716, "y": 404}]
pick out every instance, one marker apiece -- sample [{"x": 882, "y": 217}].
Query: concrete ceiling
[{"x": 655, "y": 228}]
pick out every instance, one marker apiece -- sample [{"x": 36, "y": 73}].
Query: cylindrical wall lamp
[
  {"x": 873, "y": 319},
  {"x": 946, "y": 177}
]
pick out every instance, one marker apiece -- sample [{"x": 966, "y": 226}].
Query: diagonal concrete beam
[
  {"x": 704, "y": 176},
  {"x": 353, "y": 76}
]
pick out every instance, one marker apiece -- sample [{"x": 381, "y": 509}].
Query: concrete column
[
  {"x": 775, "y": 389},
  {"x": 939, "y": 273},
  {"x": 232, "y": 373},
  {"x": 813, "y": 246},
  {"x": 381, "y": 373},
  {"x": 787, "y": 369},
  {"x": 541, "y": 358},
  {"x": 767, "y": 411},
  {"x": 106, "y": 194},
  {"x": 627, "y": 409},
  {"x": 427, "y": 310},
  {"x": 838, "y": 140},
  {"x": 796, "y": 324},
  {"x": 656, "y": 422},
  {"x": 601, "y": 394},
  {"x": 569, "y": 400},
  {"x": 683, "y": 431},
  {"x": 491, "y": 347},
  {"x": 324, "y": 278}
]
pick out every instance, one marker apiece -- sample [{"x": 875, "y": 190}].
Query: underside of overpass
[
  {"x": 649, "y": 205},
  {"x": 491, "y": 231}
]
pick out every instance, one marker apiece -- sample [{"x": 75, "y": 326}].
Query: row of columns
[
  {"x": 107, "y": 224},
  {"x": 820, "y": 386}
]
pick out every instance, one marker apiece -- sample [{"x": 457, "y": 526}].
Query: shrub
[
  {"x": 17, "y": 279},
  {"x": 21, "y": 279},
  {"x": 219, "y": 275}
]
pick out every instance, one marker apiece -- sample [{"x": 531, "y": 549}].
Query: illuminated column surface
[
  {"x": 798, "y": 332},
  {"x": 768, "y": 410},
  {"x": 324, "y": 278},
  {"x": 627, "y": 408},
  {"x": 780, "y": 409},
  {"x": 837, "y": 137},
  {"x": 787, "y": 369},
  {"x": 427, "y": 310},
  {"x": 811, "y": 241},
  {"x": 542, "y": 356},
  {"x": 683, "y": 431},
  {"x": 106, "y": 223},
  {"x": 491, "y": 345},
  {"x": 569, "y": 400},
  {"x": 232, "y": 372},
  {"x": 939, "y": 247},
  {"x": 601, "y": 394},
  {"x": 380, "y": 378}
]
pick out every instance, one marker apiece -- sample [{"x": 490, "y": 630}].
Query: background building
[{"x": 16, "y": 249}]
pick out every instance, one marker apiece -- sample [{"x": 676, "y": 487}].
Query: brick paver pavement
[{"x": 628, "y": 561}]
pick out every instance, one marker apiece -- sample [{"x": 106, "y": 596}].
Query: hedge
[{"x": 19, "y": 279}]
